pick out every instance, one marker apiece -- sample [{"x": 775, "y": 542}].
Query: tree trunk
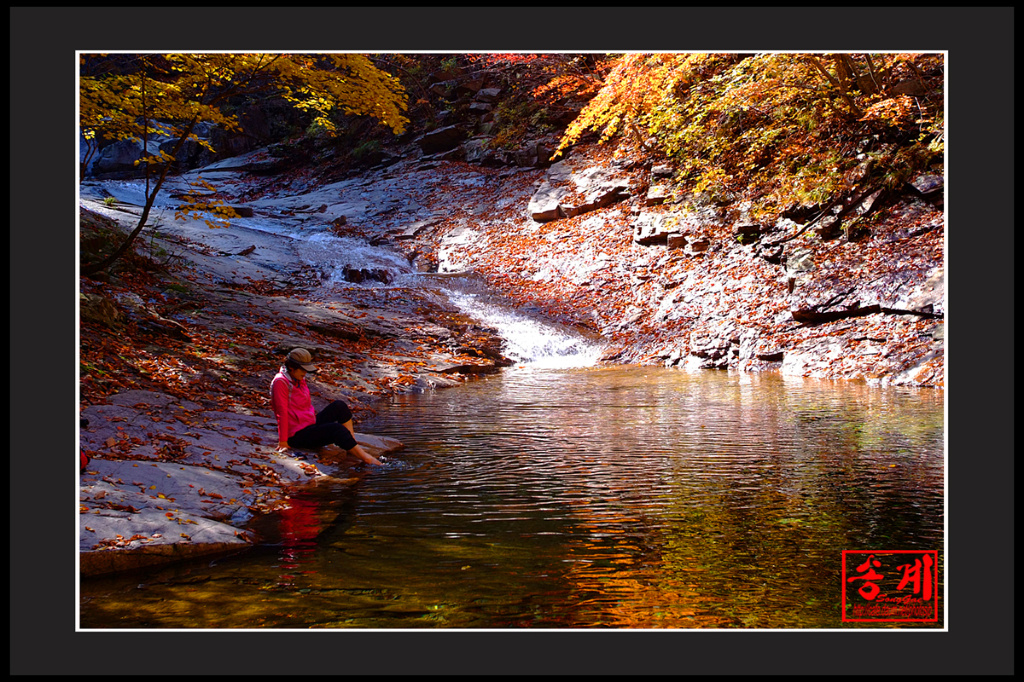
[
  {"x": 93, "y": 268},
  {"x": 854, "y": 109}
]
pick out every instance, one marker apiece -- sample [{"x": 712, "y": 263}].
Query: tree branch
[{"x": 854, "y": 109}]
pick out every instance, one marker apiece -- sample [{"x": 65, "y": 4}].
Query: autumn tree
[
  {"x": 541, "y": 89},
  {"x": 137, "y": 97},
  {"x": 783, "y": 129},
  {"x": 552, "y": 75}
]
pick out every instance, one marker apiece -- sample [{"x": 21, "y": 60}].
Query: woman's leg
[
  {"x": 333, "y": 427},
  {"x": 358, "y": 451},
  {"x": 337, "y": 411},
  {"x": 319, "y": 435}
]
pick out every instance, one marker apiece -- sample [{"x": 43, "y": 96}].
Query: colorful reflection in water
[{"x": 614, "y": 498}]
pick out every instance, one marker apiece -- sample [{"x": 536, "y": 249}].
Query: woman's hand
[{"x": 282, "y": 447}]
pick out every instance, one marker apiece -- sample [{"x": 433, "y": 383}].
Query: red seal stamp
[{"x": 897, "y": 586}]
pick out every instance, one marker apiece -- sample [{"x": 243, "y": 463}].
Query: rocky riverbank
[
  {"x": 177, "y": 350},
  {"x": 177, "y": 353}
]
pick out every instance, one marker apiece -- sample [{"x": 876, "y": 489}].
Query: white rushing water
[
  {"x": 332, "y": 255},
  {"x": 528, "y": 341}
]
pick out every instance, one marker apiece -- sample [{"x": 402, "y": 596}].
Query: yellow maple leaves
[{"x": 145, "y": 96}]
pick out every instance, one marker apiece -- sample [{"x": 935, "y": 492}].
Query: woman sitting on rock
[{"x": 298, "y": 426}]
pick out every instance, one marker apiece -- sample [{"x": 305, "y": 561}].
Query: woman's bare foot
[{"x": 364, "y": 455}]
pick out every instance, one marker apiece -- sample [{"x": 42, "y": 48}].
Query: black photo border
[{"x": 43, "y": 133}]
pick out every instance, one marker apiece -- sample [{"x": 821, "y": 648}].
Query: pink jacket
[{"x": 292, "y": 405}]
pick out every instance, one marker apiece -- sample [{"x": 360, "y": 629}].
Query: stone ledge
[{"x": 104, "y": 562}]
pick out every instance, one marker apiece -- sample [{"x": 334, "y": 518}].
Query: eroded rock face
[
  {"x": 826, "y": 294},
  {"x": 360, "y": 275},
  {"x": 568, "y": 192},
  {"x": 442, "y": 140}
]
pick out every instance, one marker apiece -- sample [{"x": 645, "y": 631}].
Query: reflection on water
[{"x": 620, "y": 497}]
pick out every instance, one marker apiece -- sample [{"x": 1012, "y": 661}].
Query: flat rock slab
[{"x": 187, "y": 481}]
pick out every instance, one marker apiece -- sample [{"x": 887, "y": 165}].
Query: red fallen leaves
[{"x": 119, "y": 541}]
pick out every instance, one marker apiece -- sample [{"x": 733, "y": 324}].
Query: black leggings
[{"x": 329, "y": 429}]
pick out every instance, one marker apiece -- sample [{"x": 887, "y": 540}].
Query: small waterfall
[
  {"x": 348, "y": 260},
  {"x": 529, "y": 341}
]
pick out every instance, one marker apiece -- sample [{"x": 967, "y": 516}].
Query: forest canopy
[
  {"x": 779, "y": 130},
  {"x": 784, "y": 128},
  {"x": 121, "y": 96}
]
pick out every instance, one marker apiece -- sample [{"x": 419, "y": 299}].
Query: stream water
[
  {"x": 562, "y": 494},
  {"x": 559, "y": 494}
]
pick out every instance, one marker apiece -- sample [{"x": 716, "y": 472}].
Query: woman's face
[{"x": 298, "y": 373}]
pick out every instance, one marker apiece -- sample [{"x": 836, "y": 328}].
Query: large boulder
[
  {"x": 441, "y": 140},
  {"x": 545, "y": 204},
  {"x": 96, "y": 308},
  {"x": 532, "y": 154},
  {"x": 567, "y": 192},
  {"x": 595, "y": 188},
  {"x": 477, "y": 150},
  {"x": 488, "y": 95},
  {"x": 138, "y": 510},
  {"x": 654, "y": 228},
  {"x": 122, "y": 155},
  {"x": 929, "y": 185}
]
